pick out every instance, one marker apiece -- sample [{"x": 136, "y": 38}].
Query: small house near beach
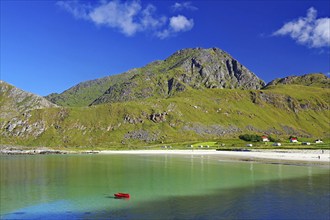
[
  {"x": 264, "y": 138},
  {"x": 294, "y": 140}
]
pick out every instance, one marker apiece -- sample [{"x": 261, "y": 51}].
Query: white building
[{"x": 265, "y": 139}]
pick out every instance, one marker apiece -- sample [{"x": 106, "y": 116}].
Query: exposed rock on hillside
[
  {"x": 158, "y": 117},
  {"x": 14, "y": 101},
  {"x": 141, "y": 135}
]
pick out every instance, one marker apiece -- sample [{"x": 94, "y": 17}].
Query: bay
[{"x": 161, "y": 187}]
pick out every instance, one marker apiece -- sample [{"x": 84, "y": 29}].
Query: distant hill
[
  {"x": 314, "y": 79},
  {"x": 186, "y": 69},
  {"x": 14, "y": 101},
  {"x": 85, "y": 93}
]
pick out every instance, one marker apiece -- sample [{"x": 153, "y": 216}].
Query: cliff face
[
  {"x": 14, "y": 101},
  {"x": 186, "y": 69}
]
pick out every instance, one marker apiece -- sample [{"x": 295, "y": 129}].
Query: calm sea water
[{"x": 161, "y": 187}]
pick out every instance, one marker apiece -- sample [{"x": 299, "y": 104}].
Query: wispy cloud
[
  {"x": 128, "y": 17},
  {"x": 309, "y": 30},
  {"x": 77, "y": 10},
  {"x": 183, "y": 6}
]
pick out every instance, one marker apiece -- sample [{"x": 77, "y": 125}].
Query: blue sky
[{"x": 49, "y": 46}]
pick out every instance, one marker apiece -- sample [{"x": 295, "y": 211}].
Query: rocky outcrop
[
  {"x": 22, "y": 127},
  {"x": 132, "y": 120},
  {"x": 16, "y": 150},
  {"x": 158, "y": 117},
  {"x": 141, "y": 135}
]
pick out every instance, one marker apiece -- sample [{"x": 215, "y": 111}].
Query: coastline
[
  {"x": 285, "y": 156},
  {"x": 292, "y": 156}
]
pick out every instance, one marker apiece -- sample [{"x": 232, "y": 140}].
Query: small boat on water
[{"x": 122, "y": 195}]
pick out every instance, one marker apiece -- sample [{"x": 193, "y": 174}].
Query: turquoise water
[{"x": 161, "y": 187}]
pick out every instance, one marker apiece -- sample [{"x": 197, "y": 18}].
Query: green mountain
[
  {"x": 186, "y": 69},
  {"x": 191, "y": 115}
]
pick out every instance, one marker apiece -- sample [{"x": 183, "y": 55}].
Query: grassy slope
[
  {"x": 104, "y": 125},
  {"x": 85, "y": 93}
]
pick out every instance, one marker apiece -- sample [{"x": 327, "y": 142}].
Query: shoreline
[
  {"x": 274, "y": 155},
  {"x": 306, "y": 156}
]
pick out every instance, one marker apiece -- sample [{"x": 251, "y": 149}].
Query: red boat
[{"x": 122, "y": 195}]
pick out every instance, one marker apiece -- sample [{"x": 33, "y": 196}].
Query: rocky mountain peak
[
  {"x": 215, "y": 68},
  {"x": 195, "y": 68}
]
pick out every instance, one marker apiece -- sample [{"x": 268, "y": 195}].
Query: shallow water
[{"x": 161, "y": 187}]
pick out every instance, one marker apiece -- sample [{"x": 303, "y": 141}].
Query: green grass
[{"x": 103, "y": 126}]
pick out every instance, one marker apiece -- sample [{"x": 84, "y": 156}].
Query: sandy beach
[
  {"x": 275, "y": 155},
  {"x": 318, "y": 156}
]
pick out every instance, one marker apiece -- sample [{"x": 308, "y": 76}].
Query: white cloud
[
  {"x": 177, "y": 24},
  {"x": 309, "y": 30},
  {"x": 182, "y": 6},
  {"x": 129, "y": 17},
  {"x": 181, "y": 23},
  {"x": 117, "y": 15}
]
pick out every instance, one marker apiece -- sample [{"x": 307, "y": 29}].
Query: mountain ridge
[{"x": 195, "y": 68}]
